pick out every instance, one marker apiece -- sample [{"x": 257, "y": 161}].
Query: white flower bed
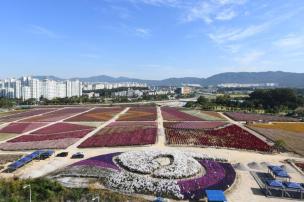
[
  {"x": 135, "y": 183},
  {"x": 181, "y": 166}
]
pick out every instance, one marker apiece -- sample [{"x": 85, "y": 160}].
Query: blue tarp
[
  {"x": 275, "y": 183},
  {"x": 281, "y": 173},
  {"x": 275, "y": 168},
  {"x": 216, "y": 196},
  {"x": 293, "y": 185}
]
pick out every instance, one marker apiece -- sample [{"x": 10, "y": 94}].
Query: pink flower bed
[
  {"x": 194, "y": 125},
  {"x": 21, "y": 127},
  {"x": 125, "y": 134},
  {"x": 56, "y": 136},
  {"x": 61, "y": 128},
  {"x": 60, "y": 135},
  {"x": 231, "y": 136},
  {"x": 47, "y": 144},
  {"x": 57, "y": 115},
  {"x": 173, "y": 114},
  {"x": 22, "y": 115},
  {"x": 241, "y": 116}
]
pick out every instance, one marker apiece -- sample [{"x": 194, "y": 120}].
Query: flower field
[
  {"x": 241, "y": 116},
  {"x": 98, "y": 114},
  {"x": 32, "y": 112},
  {"x": 205, "y": 115},
  {"x": 187, "y": 176},
  {"x": 20, "y": 127},
  {"x": 194, "y": 125},
  {"x": 139, "y": 114},
  {"x": 123, "y": 134},
  {"x": 291, "y": 133},
  {"x": 57, "y": 115},
  {"x": 173, "y": 114},
  {"x": 57, "y": 136},
  {"x": 231, "y": 136}
]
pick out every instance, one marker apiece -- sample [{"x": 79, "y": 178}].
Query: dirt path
[{"x": 161, "y": 138}]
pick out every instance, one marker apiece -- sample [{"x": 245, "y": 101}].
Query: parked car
[
  {"x": 62, "y": 154},
  {"x": 78, "y": 155}
]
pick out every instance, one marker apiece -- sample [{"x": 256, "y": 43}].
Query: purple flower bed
[
  {"x": 173, "y": 114},
  {"x": 218, "y": 176},
  {"x": 103, "y": 161}
]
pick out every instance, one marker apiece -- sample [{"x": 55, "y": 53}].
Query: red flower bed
[
  {"x": 56, "y": 136},
  {"x": 139, "y": 114},
  {"x": 57, "y": 115},
  {"x": 21, "y": 127},
  {"x": 241, "y": 116},
  {"x": 173, "y": 114},
  {"x": 195, "y": 125},
  {"x": 21, "y": 115},
  {"x": 231, "y": 136},
  {"x": 61, "y": 128},
  {"x": 98, "y": 114},
  {"x": 123, "y": 134}
]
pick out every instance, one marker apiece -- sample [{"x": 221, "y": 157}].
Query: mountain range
[{"x": 282, "y": 79}]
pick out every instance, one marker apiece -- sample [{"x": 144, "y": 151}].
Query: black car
[
  {"x": 78, "y": 155},
  {"x": 62, "y": 154}
]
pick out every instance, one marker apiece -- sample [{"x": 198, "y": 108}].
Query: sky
[{"x": 150, "y": 39}]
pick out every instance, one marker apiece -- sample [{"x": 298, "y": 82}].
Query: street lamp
[
  {"x": 96, "y": 198},
  {"x": 28, "y": 186}
]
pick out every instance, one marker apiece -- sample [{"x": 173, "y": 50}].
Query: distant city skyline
[{"x": 150, "y": 39}]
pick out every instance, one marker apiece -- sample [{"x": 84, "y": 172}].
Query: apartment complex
[
  {"x": 28, "y": 87},
  {"x": 106, "y": 85}
]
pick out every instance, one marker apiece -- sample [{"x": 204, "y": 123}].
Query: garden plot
[
  {"x": 21, "y": 127},
  {"x": 97, "y": 115},
  {"x": 174, "y": 114},
  {"x": 139, "y": 114},
  {"x": 57, "y": 136},
  {"x": 186, "y": 176},
  {"x": 123, "y": 134},
  {"x": 22, "y": 115},
  {"x": 230, "y": 136},
  {"x": 57, "y": 115}
]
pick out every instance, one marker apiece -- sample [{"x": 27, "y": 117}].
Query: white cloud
[
  {"x": 212, "y": 10},
  {"x": 226, "y": 15},
  {"x": 39, "y": 30},
  {"x": 225, "y": 36},
  {"x": 142, "y": 32},
  {"x": 290, "y": 41}
]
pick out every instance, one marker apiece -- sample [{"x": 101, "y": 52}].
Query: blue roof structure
[
  {"x": 275, "y": 183},
  {"x": 293, "y": 185},
  {"x": 281, "y": 173},
  {"x": 216, "y": 196},
  {"x": 28, "y": 158},
  {"x": 275, "y": 168}
]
